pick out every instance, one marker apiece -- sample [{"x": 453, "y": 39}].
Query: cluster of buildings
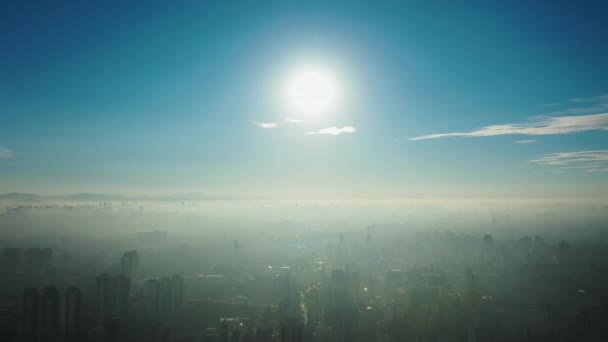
[{"x": 459, "y": 289}]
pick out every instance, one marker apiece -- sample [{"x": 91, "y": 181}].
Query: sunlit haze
[{"x": 303, "y": 171}]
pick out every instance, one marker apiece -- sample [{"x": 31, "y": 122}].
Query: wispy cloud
[
  {"x": 586, "y": 105},
  {"x": 266, "y": 125},
  {"x": 526, "y": 141},
  {"x": 588, "y": 161},
  {"x": 5, "y": 153},
  {"x": 599, "y": 98},
  {"x": 542, "y": 126},
  {"x": 293, "y": 120},
  {"x": 334, "y": 130},
  {"x": 594, "y": 108}
]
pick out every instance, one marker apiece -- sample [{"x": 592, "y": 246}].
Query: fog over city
[
  {"x": 303, "y": 171},
  {"x": 408, "y": 265}
]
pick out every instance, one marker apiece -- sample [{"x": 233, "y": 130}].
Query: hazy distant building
[
  {"x": 49, "y": 318},
  {"x": 161, "y": 298},
  {"x": 291, "y": 330},
  {"x": 177, "y": 293},
  {"x": 30, "y": 313},
  {"x": 341, "y": 306},
  {"x": 112, "y": 297},
  {"x": 165, "y": 297},
  {"x": 289, "y": 297},
  {"x": 72, "y": 315},
  {"x": 152, "y": 297},
  {"x": 164, "y": 334},
  {"x": 129, "y": 265},
  {"x": 264, "y": 328},
  {"x": 235, "y": 329},
  {"x": 115, "y": 330}
]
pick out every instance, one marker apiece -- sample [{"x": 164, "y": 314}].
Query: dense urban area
[{"x": 346, "y": 280}]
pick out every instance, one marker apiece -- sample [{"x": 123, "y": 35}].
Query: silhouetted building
[
  {"x": 177, "y": 293},
  {"x": 234, "y": 329},
  {"x": 164, "y": 334},
  {"x": 129, "y": 264},
  {"x": 49, "y": 319},
  {"x": 289, "y": 301},
  {"x": 165, "y": 297},
  {"x": 112, "y": 297},
  {"x": 160, "y": 298},
  {"x": 30, "y": 315},
  {"x": 114, "y": 332},
  {"x": 72, "y": 312},
  {"x": 291, "y": 330}
]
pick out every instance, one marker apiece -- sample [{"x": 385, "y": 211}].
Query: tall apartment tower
[
  {"x": 71, "y": 318},
  {"x": 177, "y": 293},
  {"x": 292, "y": 330},
  {"x": 165, "y": 297},
  {"x": 122, "y": 287},
  {"x": 112, "y": 297},
  {"x": 49, "y": 318},
  {"x": 30, "y": 314},
  {"x": 129, "y": 264}
]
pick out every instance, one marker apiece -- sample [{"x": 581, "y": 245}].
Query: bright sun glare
[{"x": 312, "y": 91}]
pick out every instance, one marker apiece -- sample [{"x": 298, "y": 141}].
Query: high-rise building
[
  {"x": 341, "y": 306},
  {"x": 338, "y": 297},
  {"x": 104, "y": 299},
  {"x": 177, "y": 293},
  {"x": 264, "y": 328},
  {"x": 164, "y": 334},
  {"x": 49, "y": 319},
  {"x": 165, "y": 297},
  {"x": 234, "y": 329},
  {"x": 291, "y": 330},
  {"x": 129, "y": 264},
  {"x": 30, "y": 313},
  {"x": 160, "y": 298},
  {"x": 152, "y": 297},
  {"x": 114, "y": 331},
  {"x": 71, "y": 317},
  {"x": 123, "y": 292},
  {"x": 289, "y": 299},
  {"x": 112, "y": 297}
]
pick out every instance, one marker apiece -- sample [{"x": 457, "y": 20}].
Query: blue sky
[{"x": 143, "y": 97}]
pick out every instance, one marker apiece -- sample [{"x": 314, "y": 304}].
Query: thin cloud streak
[
  {"x": 600, "y": 98},
  {"x": 542, "y": 126},
  {"x": 5, "y": 153},
  {"x": 333, "y": 131},
  {"x": 266, "y": 125},
  {"x": 588, "y": 161},
  {"x": 526, "y": 141}
]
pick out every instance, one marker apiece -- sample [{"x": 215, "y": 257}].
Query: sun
[{"x": 312, "y": 91}]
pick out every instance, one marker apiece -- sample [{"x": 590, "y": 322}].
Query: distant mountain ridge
[{"x": 101, "y": 197}]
